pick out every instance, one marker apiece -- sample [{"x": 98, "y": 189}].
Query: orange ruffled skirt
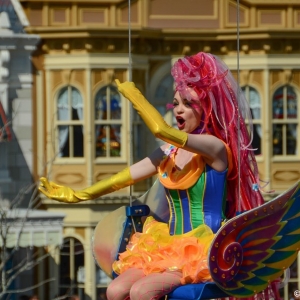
[{"x": 155, "y": 250}]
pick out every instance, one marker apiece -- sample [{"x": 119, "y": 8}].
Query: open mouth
[{"x": 180, "y": 122}]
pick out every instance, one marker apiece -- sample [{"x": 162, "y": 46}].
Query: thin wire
[
  {"x": 238, "y": 98},
  {"x": 130, "y": 79},
  {"x": 130, "y": 109},
  {"x": 129, "y": 42}
]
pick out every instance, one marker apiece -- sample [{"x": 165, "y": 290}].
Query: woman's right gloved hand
[
  {"x": 57, "y": 192},
  {"x": 65, "y": 194}
]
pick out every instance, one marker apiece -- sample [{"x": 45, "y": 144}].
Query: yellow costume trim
[
  {"x": 172, "y": 178},
  {"x": 229, "y": 157}
]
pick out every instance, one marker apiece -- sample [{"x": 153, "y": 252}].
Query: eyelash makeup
[{"x": 192, "y": 104}]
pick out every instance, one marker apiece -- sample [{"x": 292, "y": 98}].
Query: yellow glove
[
  {"x": 65, "y": 194},
  {"x": 151, "y": 116}
]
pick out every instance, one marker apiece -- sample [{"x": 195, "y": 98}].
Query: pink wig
[{"x": 221, "y": 101}]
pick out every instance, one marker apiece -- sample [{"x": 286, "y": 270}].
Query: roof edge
[{"x": 20, "y": 12}]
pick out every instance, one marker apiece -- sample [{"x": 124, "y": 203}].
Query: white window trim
[
  {"x": 258, "y": 157},
  {"x": 72, "y": 159},
  {"x": 286, "y": 157},
  {"x": 125, "y": 133}
]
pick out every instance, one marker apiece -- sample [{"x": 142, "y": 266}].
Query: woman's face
[{"x": 187, "y": 112}]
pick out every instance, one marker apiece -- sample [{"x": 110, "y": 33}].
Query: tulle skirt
[{"x": 154, "y": 250}]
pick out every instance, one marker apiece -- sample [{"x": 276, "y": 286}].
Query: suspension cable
[
  {"x": 238, "y": 101},
  {"x": 130, "y": 108}
]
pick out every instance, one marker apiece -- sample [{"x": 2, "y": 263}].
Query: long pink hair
[{"x": 221, "y": 100}]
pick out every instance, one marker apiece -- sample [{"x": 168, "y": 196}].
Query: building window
[
  {"x": 285, "y": 121},
  {"x": 71, "y": 269},
  {"x": 102, "y": 281},
  {"x": 108, "y": 122},
  {"x": 253, "y": 97},
  {"x": 69, "y": 123}
]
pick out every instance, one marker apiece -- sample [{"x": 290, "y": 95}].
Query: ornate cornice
[{"x": 265, "y": 44}]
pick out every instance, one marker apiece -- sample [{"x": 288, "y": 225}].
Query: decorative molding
[
  {"x": 245, "y": 76},
  {"x": 287, "y": 76},
  {"x": 181, "y": 16},
  {"x": 4, "y": 61},
  {"x": 244, "y": 14},
  {"x": 97, "y": 16},
  {"x": 296, "y": 18},
  {"x": 60, "y": 12},
  {"x": 135, "y": 12},
  {"x": 287, "y": 176},
  {"x": 271, "y": 15},
  {"x": 69, "y": 178}
]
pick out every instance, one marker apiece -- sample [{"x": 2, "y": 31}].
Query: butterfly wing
[{"x": 255, "y": 248}]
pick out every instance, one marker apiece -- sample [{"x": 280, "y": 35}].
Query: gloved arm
[
  {"x": 151, "y": 116},
  {"x": 65, "y": 194}
]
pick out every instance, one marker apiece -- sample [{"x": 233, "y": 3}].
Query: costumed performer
[{"x": 197, "y": 165}]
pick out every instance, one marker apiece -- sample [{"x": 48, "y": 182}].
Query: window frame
[
  {"x": 259, "y": 157},
  {"x": 123, "y": 131},
  {"x": 285, "y": 121},
  {"x": 74, "y": 286},
  {"x": 70, "y": 122}
]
